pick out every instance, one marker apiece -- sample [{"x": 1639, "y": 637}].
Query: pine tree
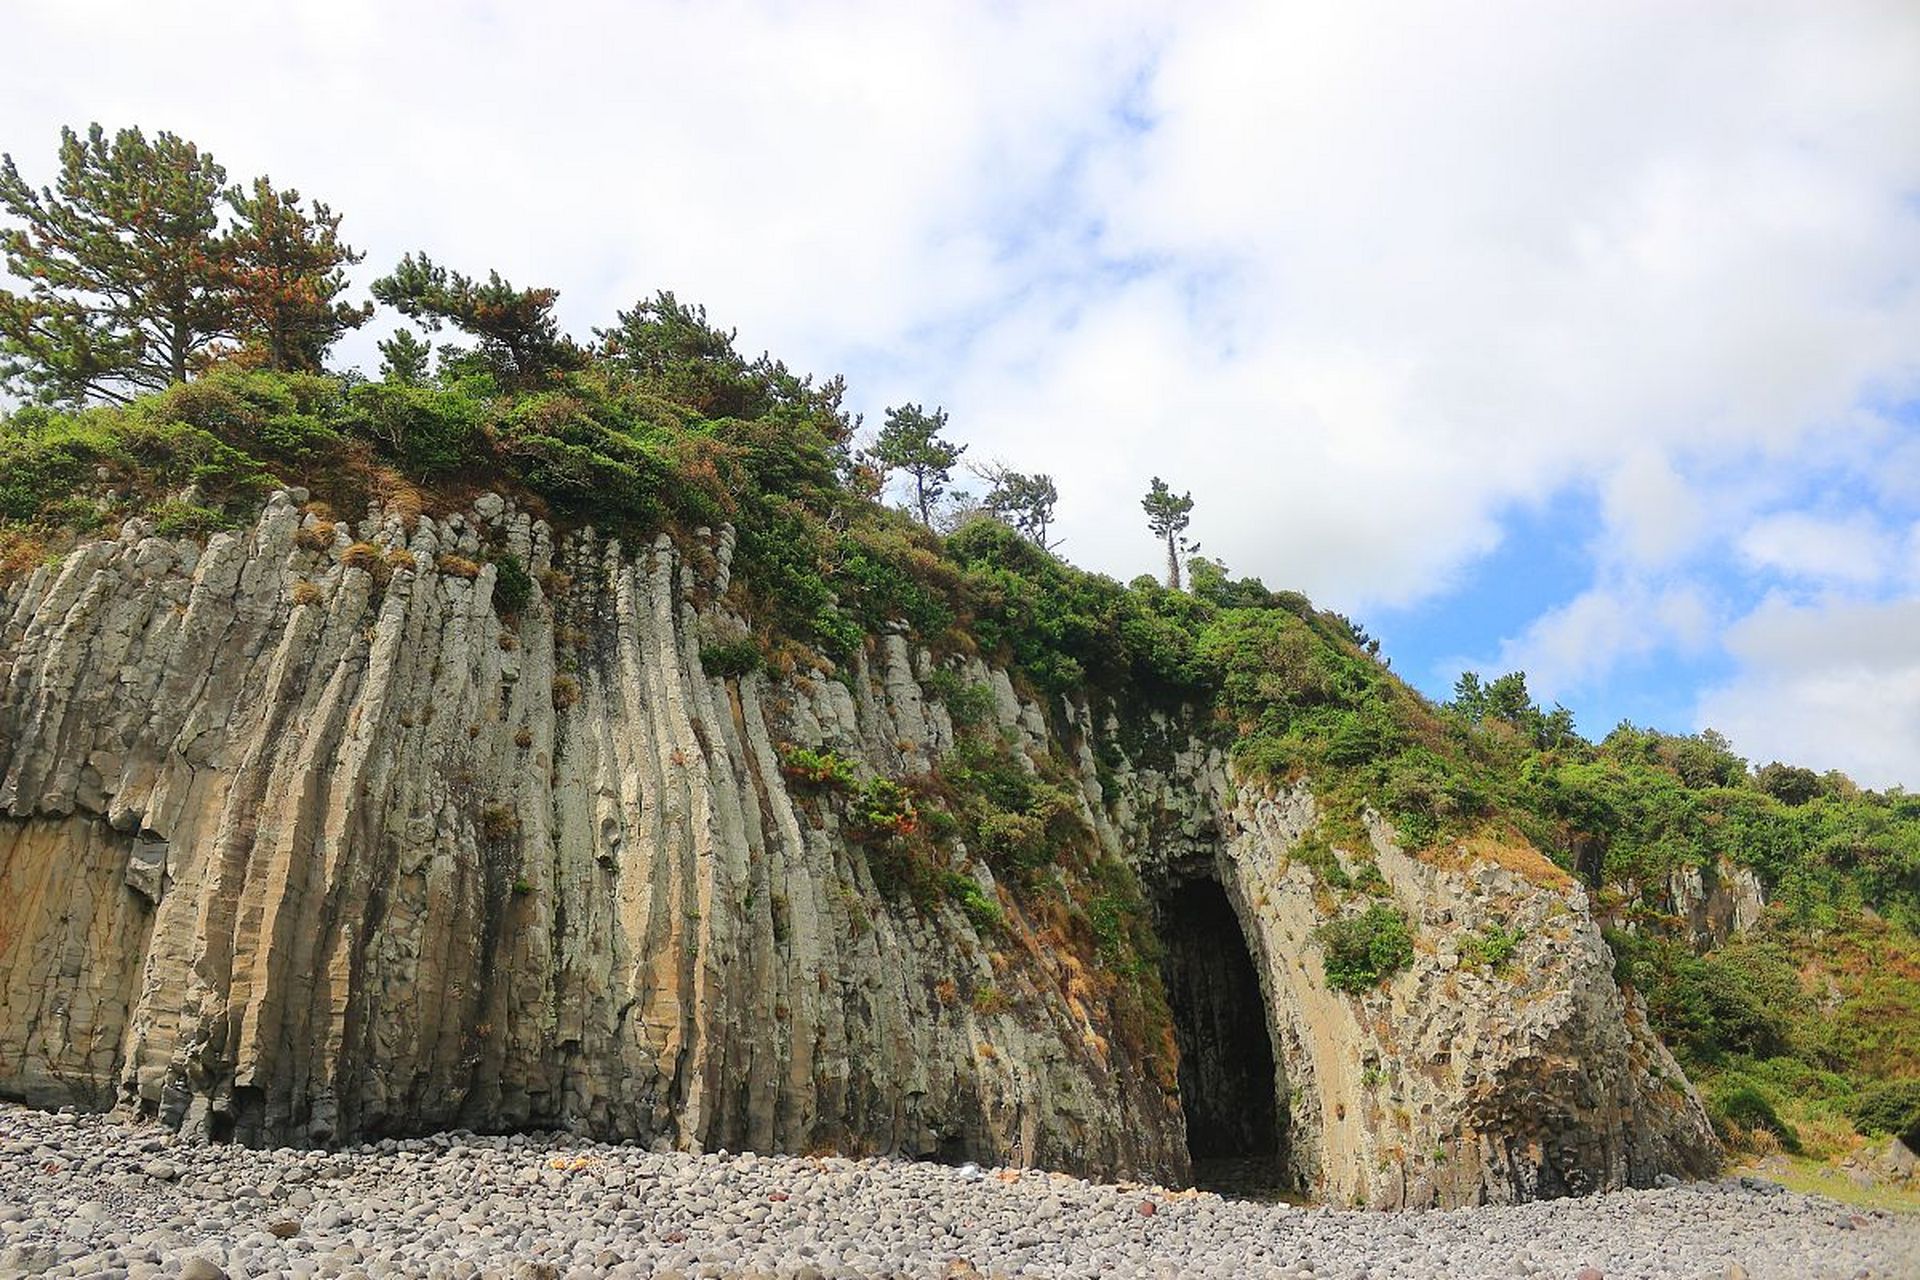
[
  {"x": 126, "y": 269},
  {"x": 1167, "y": 517},
  {"x": 288, "y": 269},
  {"x": 403, "y": 357},
  {"x": 910, "y": 442},
  {"x": 520, "y": 339},
  {"x": 1024, "y": 501}
]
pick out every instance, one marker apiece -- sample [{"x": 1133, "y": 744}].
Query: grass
[{"x": 1809, "y": 1176}]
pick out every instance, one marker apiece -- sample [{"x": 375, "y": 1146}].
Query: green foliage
[
  {"x": 135, "y": 284},
  {"x": 729, "y": 658},
  {"x": 126, "y": 268},
  {"x": 429, "y": 431},
  {"x": 881, "y": 810},
  {"x": 286, "y": 268},
  {"x": 1491, "y": 948},
  {"x": 968, "y": 705},
  {"x": 976, "y": 903},
  {"x": 911, "y": 442},
  {"x": 818, "y": 768},
  {"x": 1789, "y": 784},
  {"x": 1735, "y": 1102},
  {"x": 1168, "y": 515},
  {"x": 1891, "y": 1107},
  {"x": 404, "y": 359},
  {"x": 520, "y": 342},
  {"x": 1024, "y": 502},
  {"x": 1362, "y": 951},
  {"x": 1738, "y": 1000},
  {"x": 512, "y": 584},
  {"x": 887, "y": 573},
  {"x": 688, "y": 360},
  {"x": 173, "y": 519}
]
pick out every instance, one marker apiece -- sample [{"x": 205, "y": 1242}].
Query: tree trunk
[
  {"x": 177, "y": 350},
  {"x": 1173, "y": 565}
]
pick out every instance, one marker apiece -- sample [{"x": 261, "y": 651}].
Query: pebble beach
[{"x": 82, "y": 1195}]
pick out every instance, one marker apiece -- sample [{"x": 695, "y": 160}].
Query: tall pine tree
[
  {"x": 126, "y": 269},
  {"x": 910, "y": 442},
  {"x": 288, "y": 269},
  {"x": 1167, "y": 516}
]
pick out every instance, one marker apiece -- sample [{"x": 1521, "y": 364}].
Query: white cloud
[
  {"x": 1573, "y": 646},
  {"x": 1652, "y": 514},
  {"x": 1831, "y": 686},
  {"x": 1852, "y": 550}
]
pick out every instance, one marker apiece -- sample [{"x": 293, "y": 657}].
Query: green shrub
[
  {"x": 882, "y": 809},
  {"x": 1891, "y": 1107},
  {"x": 1491, "y": 948},
  {"x": 512, "y": 585},
  {"x": 174, "y": 519},
  {"x": 1738, "y": 1104},
  {"x": 428, "y": 430},
  {"x": 729, "y": 659},
  {"x": 1361, "y": 951},
  {"x": 817, "y": 768},
  {"x": 968, "y": 705},
  {"x": 977, "y": 904}
]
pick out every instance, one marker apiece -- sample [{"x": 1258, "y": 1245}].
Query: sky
[{"x": 1582, "y": 340}]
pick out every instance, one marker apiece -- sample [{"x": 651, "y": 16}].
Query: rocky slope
[{"x": 301, "y": 842}]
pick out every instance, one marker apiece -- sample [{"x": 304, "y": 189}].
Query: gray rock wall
[{"x": 299, "y": 842}]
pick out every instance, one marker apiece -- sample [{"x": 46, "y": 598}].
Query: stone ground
[{"x": 82, "y": 1196}]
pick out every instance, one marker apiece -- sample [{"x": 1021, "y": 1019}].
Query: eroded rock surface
[{"x": 301, "y": 842}]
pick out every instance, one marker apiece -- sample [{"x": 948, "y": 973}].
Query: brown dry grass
[
  {"x": 1507, "y": 849},
  {"x": 20, "y": 554},
  {"x": 458, "y": 566}
]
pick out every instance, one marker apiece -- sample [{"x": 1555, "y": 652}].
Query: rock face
[{"x": 300, "y": 842}]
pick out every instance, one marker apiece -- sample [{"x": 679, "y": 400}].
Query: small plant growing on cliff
[
  {"x": 317, "y": 536},
  {"x": 989, "y": 1000},
  {"x": 978, "y": 906},
  {"x": 305, "y": 593},
  {"x": 1361, "y": 951},
  {"x": 498, "y": 822},
  {"x": 821, "y": 768},
  {"x": 458, "y": 566},
  {"x": 566, "y": 692},
  {"x": 512, "y": 585},
  {"x": 524, "y": 738},
  {"x": 1491, "y": 948},
  {"x": 363, "y": 555},
  {"x": 522, "y": 887},
  {"x": 968, "y": 705},
  {"x": 732, "y": 657},
  {"x": 883, "y": 810}
]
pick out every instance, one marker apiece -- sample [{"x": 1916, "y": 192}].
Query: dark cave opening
[{"x": 1228, "y": 1084}]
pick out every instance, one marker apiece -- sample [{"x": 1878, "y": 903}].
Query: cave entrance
[{"x": 1228, "y": 1085}]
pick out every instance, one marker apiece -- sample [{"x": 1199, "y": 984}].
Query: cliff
[{"x": 304, "y": 839}]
